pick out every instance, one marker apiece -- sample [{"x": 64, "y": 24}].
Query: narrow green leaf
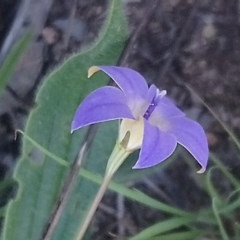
[
  {"x": 162, "y": 227},
  {"x": 219, "y": 220},
  {"x": 212, "y": 191},
  {"x": 188, "y": 235},
  {"x": 11, "y": 61},
  {"x": 230, "y": 207},
  {"x": 40, "y": 179}
]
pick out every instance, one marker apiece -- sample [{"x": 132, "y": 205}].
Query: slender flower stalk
[{"x": 119, "y": 154}]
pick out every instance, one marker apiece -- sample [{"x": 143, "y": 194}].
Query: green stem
[
  {"x": 93, "y": 208},
  {"x": 119, "y": 154}
]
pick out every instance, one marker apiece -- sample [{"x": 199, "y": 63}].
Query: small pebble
[{"x": 50, "y": 35}]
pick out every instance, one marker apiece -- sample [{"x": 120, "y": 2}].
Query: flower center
[{"x": 154, "y": 103}]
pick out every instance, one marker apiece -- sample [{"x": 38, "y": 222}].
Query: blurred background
[{"x": 185, "y": 44}]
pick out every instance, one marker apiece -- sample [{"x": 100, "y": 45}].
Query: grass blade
[
  {"x": 11, "y": 61},
  {"x": 162, "y": 227}
]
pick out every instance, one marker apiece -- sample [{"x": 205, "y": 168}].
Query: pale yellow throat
[{"x": 136, "y": 129}]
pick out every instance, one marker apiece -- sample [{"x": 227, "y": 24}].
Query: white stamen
[{"x": 162, "y": 93}]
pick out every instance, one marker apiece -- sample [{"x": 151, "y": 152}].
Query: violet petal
[
  {"x": 191, "y": 136},
  {"x": 157, "y": 146},
  {"x": 104, "y": 104},
  {"x": 131, "y": 82},
  {"x": 167, "y": 109},
  {"x": 164, "y": 111}
]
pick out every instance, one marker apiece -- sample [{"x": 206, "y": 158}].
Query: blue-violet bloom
[{"x": 155, "y": 124}]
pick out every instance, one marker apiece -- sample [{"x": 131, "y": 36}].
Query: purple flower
[{"x": 155, "y": 124}]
